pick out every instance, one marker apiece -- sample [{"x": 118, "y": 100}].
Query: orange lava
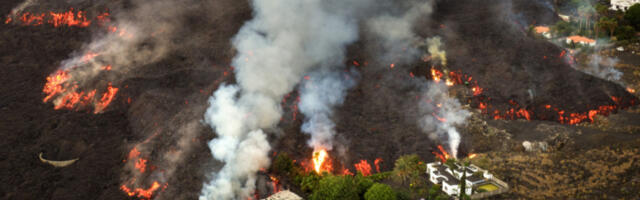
[
  {"x": 363, "y": 167},
  {"x": 319, "y": 158},
  {"x": 377, "y": 163},
  {"x": 141, "y": 165},
  {"x": 443, "y": 155},
  {"x": 70, "y": 18},
  {"x": 141, "y": 192}
]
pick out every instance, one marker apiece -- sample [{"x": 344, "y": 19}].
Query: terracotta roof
[
  {"x": 541, "y": 29},
  {"x": 577, "y": 38}
]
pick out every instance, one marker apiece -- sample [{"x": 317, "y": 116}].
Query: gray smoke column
[
  {"x": 284, "y": 41},
  {"x": 318, "y": 96},
  {"x": 440, "y": 114},
  {"x": 396, "y": 31}
]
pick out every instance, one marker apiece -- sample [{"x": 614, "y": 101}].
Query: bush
[
  {"x": 380, "y": 191},
  {"x": 335, "y": 187},
  {"x": 633, "y": 16},
  {"x": 409, "y": 168},
  {"x": 625, "y": 33}
]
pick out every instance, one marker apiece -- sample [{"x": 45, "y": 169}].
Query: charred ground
[{"x": 378, "y": 119}]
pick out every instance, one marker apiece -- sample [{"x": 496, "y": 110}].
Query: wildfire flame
[
  {"x": 141, "y": 192},
  {"x": 471, "y": 156}
]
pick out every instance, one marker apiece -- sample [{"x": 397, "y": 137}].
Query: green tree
[
  {"x": 609, "y": 24},
  {"x": 380, "y": 191},
  {"x": 625, "y": 33},
  {"x": 633, "y": 16},
  {"x": 336, "y": 187},
  {"x": 408, "y": 168},
  {"x": 562, "y": 28}
]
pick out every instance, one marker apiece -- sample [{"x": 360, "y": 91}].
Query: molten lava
[
  {"x": 66, "y": 94},
  {"x": 69, "y": 18},
  {"x": 141, "y": 192},
  {"x": 319, "y": 158},
  {"x": 443, "y": 155},
  {"x": 377, "y": 163},
  {"x": 363, "y": 167}
]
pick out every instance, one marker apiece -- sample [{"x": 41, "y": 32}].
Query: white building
[
  {"x": 543, "y": 30},
  {"x": 450, "y": 179},
  {"x": 622, "y": 5},
  {"x": 581, "y": 40}
]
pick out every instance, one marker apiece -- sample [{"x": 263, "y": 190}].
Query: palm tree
[{"x": 408, "y": 167}]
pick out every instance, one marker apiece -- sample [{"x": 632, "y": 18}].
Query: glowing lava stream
[{"x": 318, "y": 159}]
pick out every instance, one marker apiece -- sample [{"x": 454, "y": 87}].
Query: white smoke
[
  {"x": 603, "y": 67},
  {"x": 318, "y": 96},
  {"x": 284, "y": 40},
  {"x": 396, "y": 31},
  {"x": 436, "y": 103}
]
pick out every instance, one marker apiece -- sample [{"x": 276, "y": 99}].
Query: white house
[
  {"x": 581, "y": 40},
  {"x": 622, "y": 5},
  {"x": 450, "y": 179},
  {"x": 543, "y": 30}
]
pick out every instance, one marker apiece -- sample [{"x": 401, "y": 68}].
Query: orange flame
[
  {"x": 363, "y": 167},
  {"x": 631, "y": 90},
  {"x": 471, "y": 156}
]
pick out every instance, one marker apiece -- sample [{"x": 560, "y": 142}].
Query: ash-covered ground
[{"x": 161, "y": 104}]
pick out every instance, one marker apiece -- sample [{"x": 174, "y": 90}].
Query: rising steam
[
  {"x": 318, "y": 96},
  {"x": 284, "y": 41},
  {"x": 440, "y": 114}
]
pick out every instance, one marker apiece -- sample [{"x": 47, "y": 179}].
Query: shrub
[{"x": 380, "y": 191}]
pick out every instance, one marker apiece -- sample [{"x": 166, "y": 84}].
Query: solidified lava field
[{"x": 159, "y": 107}]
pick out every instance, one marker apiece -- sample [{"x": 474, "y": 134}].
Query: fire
[
  {"x": 443, "y": 155},
  {"x": 363, "y": 167},
  {"x": 631, "y": 90},
  {"x": 377, "y": 163},
  {"x": 449, "y": 82},
  {"x": 319, "y": 157},
  {"x": 69, "y": 18},
  {"x": 471, "y": 156}
]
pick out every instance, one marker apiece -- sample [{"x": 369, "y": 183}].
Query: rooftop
[
  {"x": 577, "y": 38},
  {"x": 541, "y": 29}
]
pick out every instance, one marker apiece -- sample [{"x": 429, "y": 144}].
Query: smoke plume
[
  {"x": 396, "y": 32},
  {"x": 284, "y": 41},
  {"x": 440, "y": 114},
  {"x": 318, "y": 96}
]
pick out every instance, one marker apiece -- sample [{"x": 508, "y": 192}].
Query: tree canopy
[
  {"x": 336, "y": 187},
  {"x": 408, "y": 168},
  {"x": 633, "y": 16},
  {"x": 380, "y": 191}
]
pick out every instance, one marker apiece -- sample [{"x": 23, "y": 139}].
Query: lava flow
[
  {"x": 140, "y": 165},
  {"x": 363, "y": 167},
  {"x": 319, "y": 159},
  {"x": 65, "y": 94},
  {"x": 69, "y": 18},
  {"x": 444, "y": 156}
]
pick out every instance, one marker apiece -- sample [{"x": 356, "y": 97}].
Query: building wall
[{"x": 622, "y": 4}]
